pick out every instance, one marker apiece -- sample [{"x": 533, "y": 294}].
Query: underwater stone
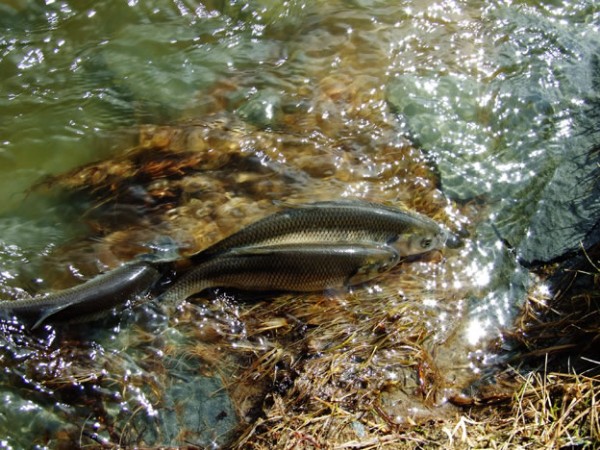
[
  {"x": 192, "y": 410},
  {"x": 262, "y": 109},
  {"x": 195, "y": 409},
  {"x": 519, "y": 143},
  {"x": 566, "y": 215},
  {"x": 31, "y": 424},
  {"x": 542, "y": 190},
  {"x": 480, "y": 148},
  {"x": 200, "y": 410}
]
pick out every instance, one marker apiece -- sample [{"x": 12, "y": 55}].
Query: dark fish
[
  {"x": 292, "y": 267},
  {"x": 101, "y": 293},
  {"x": 337, "y": 222}
]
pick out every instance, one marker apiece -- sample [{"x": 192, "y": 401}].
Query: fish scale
[{"x": 291, "y": 267}]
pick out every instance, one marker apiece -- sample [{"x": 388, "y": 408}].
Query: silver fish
[
  {"x": 292, "y": 267},
  {"x": 337, "y": 222},
  {"x": 101, "y": 293}
]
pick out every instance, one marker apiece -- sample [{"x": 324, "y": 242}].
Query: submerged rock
[
  {"x": 568, "y": 214},
  {"x": 520, "y": 141},
  {"x": 262, "y": 109},
  {"x": 27, "y": 418}
]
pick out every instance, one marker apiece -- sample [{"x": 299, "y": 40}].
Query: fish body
[
  {"x": 291, "y": 267},
  {"x": 336, "y": 222},
  {"x": 101, "y": 293}
]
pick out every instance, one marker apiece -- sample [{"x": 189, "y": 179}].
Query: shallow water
[{"x": 465, "y": 111}]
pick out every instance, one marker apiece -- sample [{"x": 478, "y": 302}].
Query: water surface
[{"x": 464, "y": 111}]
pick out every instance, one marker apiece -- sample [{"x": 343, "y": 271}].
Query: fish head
[
  {"x": 419, "y": 241},
  {"x": 380, "y": 261}
]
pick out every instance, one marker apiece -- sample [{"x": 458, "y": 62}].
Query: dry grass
[
  {"x": 333, "y": 402},
  {"x": 553, "y": 410},
  {"x": 557, "y": 410}
]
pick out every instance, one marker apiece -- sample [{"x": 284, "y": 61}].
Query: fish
[
  {"x": 101, "y": 293},
  {"x": 340, "y": 222},
  {"x": 306, "y": 248},
  {"x": 290, "y": 267}
]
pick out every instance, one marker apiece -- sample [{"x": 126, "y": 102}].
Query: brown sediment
[{"x": 203, "y": 180}]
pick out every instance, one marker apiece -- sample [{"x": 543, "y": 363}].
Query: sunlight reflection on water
[{"x": 466, "y": 105}]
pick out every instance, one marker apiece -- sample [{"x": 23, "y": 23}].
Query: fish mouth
[
  {"x": 453, "y": 240},
  {"x": 442, "y": 238}
]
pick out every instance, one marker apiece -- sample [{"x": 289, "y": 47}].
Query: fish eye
[{"x": 426, "y": 242}]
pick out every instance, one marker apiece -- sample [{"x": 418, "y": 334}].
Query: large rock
[
  {"x": 522, "y": 141},
  {"x": 568, "y": 213}
]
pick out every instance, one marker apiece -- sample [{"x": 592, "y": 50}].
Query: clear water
[{"x": 490, "y": 94}]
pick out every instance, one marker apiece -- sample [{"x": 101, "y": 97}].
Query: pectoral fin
[{"x": 383, "y": 260}]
